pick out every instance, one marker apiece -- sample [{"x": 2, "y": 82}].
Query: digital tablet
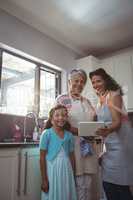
[{"x": 89, "y": 128}]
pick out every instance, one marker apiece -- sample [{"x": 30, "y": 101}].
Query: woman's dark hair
[
  {"x": 52, "y": 111},
  {"x": 110, "y": 83}
]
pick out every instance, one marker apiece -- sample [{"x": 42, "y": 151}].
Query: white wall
[{"x": 21, "y": 36}]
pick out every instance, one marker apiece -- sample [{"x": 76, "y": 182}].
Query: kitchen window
[{"x": 26, "y": 86}]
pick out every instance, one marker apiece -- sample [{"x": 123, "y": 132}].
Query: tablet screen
[{"x": 89, "y": 128}]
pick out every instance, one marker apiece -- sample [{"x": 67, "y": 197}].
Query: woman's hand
[
  {"x": 104, "y": 132},
  {"x": 45, "y": 185}
]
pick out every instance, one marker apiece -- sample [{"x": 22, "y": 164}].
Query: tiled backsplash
[
  {"x": 8, "y": 125},
  {"x": 11, "y": 124}
]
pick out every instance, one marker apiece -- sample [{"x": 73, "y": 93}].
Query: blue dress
[
  {"x": 117, "y": 162},
  {"x": 60, "y": 175}
]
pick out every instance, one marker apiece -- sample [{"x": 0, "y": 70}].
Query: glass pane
[
  {"x": 17, "y": 85},
  {"x": 47, "y": 92}
]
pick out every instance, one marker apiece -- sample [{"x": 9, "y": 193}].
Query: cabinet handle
[
  {"x": 25, "y": 173},
  {"x": 19, "y": 173}
]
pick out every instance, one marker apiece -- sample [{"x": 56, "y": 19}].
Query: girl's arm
[
  {"x": 43, "y": 168},
  {"x": 72, "y": 160}
]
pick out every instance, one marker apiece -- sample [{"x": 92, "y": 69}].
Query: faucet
[{"x": 31, "y": 115}]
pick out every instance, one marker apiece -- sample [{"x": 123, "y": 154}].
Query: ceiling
[{"x": 87, "y": 27}]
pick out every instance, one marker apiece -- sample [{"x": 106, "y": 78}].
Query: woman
[
  {"x": 117, "y": 161},
  {"x": 80, "y": 109}
]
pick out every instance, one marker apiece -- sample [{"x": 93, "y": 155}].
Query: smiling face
[
  {"x": 59, "y": 118},
  {"x": 76, "y": 84},
  {"x": 98, "y": 84}
]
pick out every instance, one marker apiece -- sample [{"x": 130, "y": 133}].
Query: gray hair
[{"x": 76, "y": 72}]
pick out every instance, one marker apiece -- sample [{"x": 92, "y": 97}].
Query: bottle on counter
[
  {"x": 35, "y": 134},
  {"x": 17, "y": 133}
]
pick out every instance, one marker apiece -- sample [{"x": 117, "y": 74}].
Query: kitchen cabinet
[
  {"x": 124, "y": 76},
  {"x": 9, "y": 176},
  {"x": 30, "y": 174},
  {"x": 20, "y": 174},
  {"x": 121, "y": 69},
  {"x": 108, "y": 65},
  {"x": 119, "y": 66}
]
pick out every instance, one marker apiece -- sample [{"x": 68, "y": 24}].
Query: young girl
[{"x": 57, "y": 157}]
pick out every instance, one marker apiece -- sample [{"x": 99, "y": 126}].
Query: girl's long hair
[
  {"x": 110, "y": 83},
  {"x": 48, "y": 123}
]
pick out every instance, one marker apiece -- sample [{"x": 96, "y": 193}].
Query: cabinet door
[
  {"x": 108, "y": 65},
  {"x": 9, "y": 174},
  {"x": 124, "y": 76},
  {"x": 120, "y": 67},
  {"x": 31, "y": 179}
]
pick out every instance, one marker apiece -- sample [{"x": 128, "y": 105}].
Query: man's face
[{"x": 76, "y": 84}]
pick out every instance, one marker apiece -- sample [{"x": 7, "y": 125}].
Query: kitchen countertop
[{"x": 18, "y": 144}]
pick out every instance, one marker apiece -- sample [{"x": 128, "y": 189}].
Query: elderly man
[{"x": 80, "y": 109}]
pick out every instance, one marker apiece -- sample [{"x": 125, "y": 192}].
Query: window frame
[{"x": 39, "y": 67}]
